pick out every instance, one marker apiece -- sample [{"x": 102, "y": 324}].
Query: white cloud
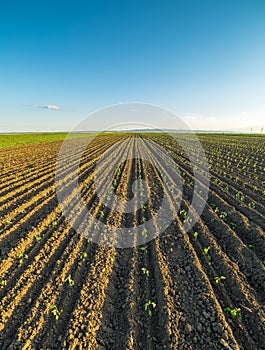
[{"x": 51, "y": 107}]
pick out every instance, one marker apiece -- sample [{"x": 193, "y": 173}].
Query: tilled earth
[{"x": 61, "y": 290}]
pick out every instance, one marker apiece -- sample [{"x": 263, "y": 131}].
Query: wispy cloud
[{"x": 51, "y": 107}]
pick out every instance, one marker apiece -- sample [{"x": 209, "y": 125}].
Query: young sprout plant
[
  {"x": 22, "y": 256},
  {"x": 83, "y": 256},
  {"x": 223, "y": 215},
  {"x": 144, "y": 232},
  {"x": 149, "y": 306},
  {"x": 69, "y": 280},
  {"x": 251, "y": 205},
  {"x": 55, "y": 311},
  {"x": 219, "y": 279},
  {"x": 144, "y": 249},
  {"x": 96, "y": 226},
  {"x": 145, "y": 271},
  {"x": 2, "y": 282},
  {"x": 206, "y": 251},
  {"x": 196, "y": 234},
  {"x": 38, "y": 237},
  {"x": 54, "y": 222},
  {"x": 183, "y": 213},
  {"x": 236, "y": 312}
]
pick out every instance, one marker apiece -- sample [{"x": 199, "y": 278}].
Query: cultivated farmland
[{"x": 201, "y": 289}]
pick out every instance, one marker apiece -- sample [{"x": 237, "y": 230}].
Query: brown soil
[{"x": 105, "y": 307}]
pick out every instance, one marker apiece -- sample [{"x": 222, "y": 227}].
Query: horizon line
[{"x": 261, "y": 131}]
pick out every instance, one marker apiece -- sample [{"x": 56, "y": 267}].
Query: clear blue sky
[{"x": 204, "y": 60}]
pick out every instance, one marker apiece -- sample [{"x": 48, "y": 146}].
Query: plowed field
[{"x": 203, "y": 289}]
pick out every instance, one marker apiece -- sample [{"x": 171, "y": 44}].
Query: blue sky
[{"x": 203, "y": 60}]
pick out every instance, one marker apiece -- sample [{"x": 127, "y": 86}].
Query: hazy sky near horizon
[{"x": 62, "y": 60}]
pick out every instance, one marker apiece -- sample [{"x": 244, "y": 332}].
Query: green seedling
[
  {"x": 149, "y": 306},
  {"x": 236, "y": 312},
  {"x": 251, "y": 205},
  {"x": 69, "y": 280},
  {"x": 54, "y": 221},
  {"x": 141, "y": 193},
  {"x": 2, "y": 282},
  {"x": 206, "y": 251},
  {"x": 240, "y": 196},
  {"x": 183, "y": 213},
  {"x": 83, "y": 256},
  {"x": 89, "y": 241},
  {"x": 96, "y": 226},
  {"x": 38, "y": 237},
  {"x": 196, "y": 234},
  {"x": 143, "y": 220},
  {"x": 145, "y": 271},
  {"x": 219, "y": 279},
  {"x": 144, "y": 249},
  {"x": 55, "y": 311},
  {"x": 188, "y": 219},
  {"x": 101, "y": 214},
  {"x": 144, "y": 232},
  {"x": 223, "y": 215},
  {"x": 22, "y": 257}
]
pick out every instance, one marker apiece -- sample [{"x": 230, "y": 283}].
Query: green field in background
[{"x": 15, "y": 140}]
